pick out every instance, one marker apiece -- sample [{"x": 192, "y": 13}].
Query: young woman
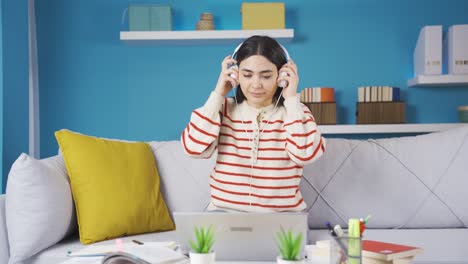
[{"x": 263, "y": 136}]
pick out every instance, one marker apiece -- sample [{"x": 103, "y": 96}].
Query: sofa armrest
[{"x": 4, "y": 249}]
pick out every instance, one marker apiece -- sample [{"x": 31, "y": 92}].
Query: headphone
[{"x": 282, "y": 84}]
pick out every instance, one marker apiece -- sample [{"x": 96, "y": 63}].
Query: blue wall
[
  {"x": 15, "y": 81},
  {"x": 93, "y": 83}
]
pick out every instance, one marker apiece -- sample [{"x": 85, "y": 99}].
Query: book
[
  {"x": 382, "y": 253},
  {"x": 318, "y": 95},
  {"x": 128, "y": 253},
  {"x": 407, "y": 260}
]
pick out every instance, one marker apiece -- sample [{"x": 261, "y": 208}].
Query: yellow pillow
[{"x": 115, "y": 187}]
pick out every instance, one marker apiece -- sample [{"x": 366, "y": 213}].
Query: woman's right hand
[{"x": 228, "y": 78}]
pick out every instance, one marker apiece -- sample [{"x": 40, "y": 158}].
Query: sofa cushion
[
  {"x": 39, "y": 208},
  {"x": 407, "y": 182},
  {"x": 184, "y": 180},
  {"x": 115, "y": 187},
  {"x": 4, "y": 247}
]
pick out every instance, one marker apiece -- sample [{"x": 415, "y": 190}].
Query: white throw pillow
[{"x": 38, "y": 206}]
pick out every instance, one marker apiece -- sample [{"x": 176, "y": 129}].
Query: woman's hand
[
  {"x": 288, "y": 73},
  {"x": 228, "y": 78}
]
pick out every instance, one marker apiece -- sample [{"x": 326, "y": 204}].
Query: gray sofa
[{"x": 414, "y": 187}]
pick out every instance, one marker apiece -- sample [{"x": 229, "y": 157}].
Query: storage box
[
  {"x": 324, "y": 113},
  {"x": 138, "y": 18},
  {"x": 149, "y": 17},
  {"x": 427, "y": 57},
  {"x": 263, "y": 15},
  {"x": 381, "y": 113},
  {"x": 457, "y": 49}
]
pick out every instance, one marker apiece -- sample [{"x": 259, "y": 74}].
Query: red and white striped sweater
[{"x": 249, "y": 177}]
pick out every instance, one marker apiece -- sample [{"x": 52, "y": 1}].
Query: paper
[
  {"x": 83, "y": 260},
  {"x": 127, "y": 247}
]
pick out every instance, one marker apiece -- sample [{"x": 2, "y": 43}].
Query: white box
[
  {"x": 457, "y": 49},
  {"x": 427, "y": 57}
]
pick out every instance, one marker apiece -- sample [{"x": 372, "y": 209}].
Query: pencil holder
[{"x": 345, "y": 250}]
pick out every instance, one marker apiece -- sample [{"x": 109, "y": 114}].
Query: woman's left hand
[{"x": 291, "y": 77}]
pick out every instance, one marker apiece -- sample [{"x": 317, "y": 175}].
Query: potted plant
[
  {"x": 201, "y": 252},
  {"x": 289, "y": 246}
]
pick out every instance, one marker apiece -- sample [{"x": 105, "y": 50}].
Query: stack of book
[
  {"x": 321, "y": 102},
  {"x": 380, "y": 105},
  {"x": 319, "y": 252},
  {"x": 318, "y": 95},
  {"x": 375, "y": 252},
  {"x": 378, "y": 94}
]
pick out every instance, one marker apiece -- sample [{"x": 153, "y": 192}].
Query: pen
[
  {"x": 337, "y": 239},
  {"x": 367, "y": 219},
  {"x": 338, "y": 231},
  {"x": 137, "y": 242},
  {"x": 69, "y": 254},
  {"x": 330, "y": 229},
  {"x": 363, "y": 223}
]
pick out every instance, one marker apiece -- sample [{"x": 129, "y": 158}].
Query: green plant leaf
[
  {"x": 209, "y": 238},
  {"x": 288, "y": 248},
  {"x": 288, "y": 244},
  {"x": 199, "y": 237},
  {"x": 204, "y": 238},
  {"x": 282, "y": 243},
  {"x": 280, "y": 248},
  {"x": 296, "y": 246},
  {"x": 193, "y": 246}
]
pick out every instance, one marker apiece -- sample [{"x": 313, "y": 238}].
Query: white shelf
[
  {"x": 191, "y": 37},
  {"x": 439, "y": 80},
  {"x": 387, "y": 128}
]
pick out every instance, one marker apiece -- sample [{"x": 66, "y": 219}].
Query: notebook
[{"x": 241, "y": 236}]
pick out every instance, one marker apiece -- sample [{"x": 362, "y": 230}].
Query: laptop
[{"x": 241, "y": 236}]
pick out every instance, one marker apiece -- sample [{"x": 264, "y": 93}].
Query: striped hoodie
[{"x": 261, "y": 152}]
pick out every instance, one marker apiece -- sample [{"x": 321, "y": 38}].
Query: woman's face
[{"x": 257, "y": 79}]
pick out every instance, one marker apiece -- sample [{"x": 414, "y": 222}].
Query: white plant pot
[
  {"x": 280, "y": 260},
  {"x": 205, "y": 258}
]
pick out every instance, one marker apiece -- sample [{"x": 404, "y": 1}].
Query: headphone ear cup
[
  {"x": 283, "y": 83},
  {"x": 233, "y": 66}
]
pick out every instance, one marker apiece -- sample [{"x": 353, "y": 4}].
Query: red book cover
[{"x": 388, "y": 251}]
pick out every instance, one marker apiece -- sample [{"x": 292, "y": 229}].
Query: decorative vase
[
  {"x": 280, "y": 260},
  {"x": 202, "y": 258}
]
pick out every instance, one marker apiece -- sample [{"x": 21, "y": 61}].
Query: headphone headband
[{"x": 286, "y": 53}]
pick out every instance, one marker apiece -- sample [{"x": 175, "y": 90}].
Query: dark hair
[{"x": 266, "y": 47}]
